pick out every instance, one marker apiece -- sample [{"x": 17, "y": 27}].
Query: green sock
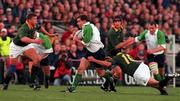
[
  {"x": 158, "y": 77},
  {"x": 77, "y": 79}
]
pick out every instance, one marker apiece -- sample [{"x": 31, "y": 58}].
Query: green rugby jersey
[
  {"x": 114, "y": 38},
  {"x": 24, "y": 31},
  {"x": 46, "y": 41},
  {"x": 127, "y": 64}
]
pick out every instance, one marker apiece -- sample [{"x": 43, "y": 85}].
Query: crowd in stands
[{"x": 135, "y": 14}]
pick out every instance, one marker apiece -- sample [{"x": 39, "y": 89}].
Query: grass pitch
[{"x": 87, "y": 93}]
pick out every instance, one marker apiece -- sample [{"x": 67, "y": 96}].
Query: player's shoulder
[{"x": 160, "y": 32}]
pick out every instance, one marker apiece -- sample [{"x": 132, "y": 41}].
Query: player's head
[
  {"x": 32, "y": 19},
  {"x": 152, "y": 26},
  {"x": 82, "y": 19},
  {"x": 117, "y": 22}
]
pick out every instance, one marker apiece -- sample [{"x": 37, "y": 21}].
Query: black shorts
[
  {"x": 45, "y": 61},
  {"x": 100, "y": 55},
  {"x": 160, "y": 59}
]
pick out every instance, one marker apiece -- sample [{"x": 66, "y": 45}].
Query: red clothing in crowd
[
  {"x": 65, "y": 36},
  {"x": 135, "y": 53},
  {"x": 62, "y": 70}
]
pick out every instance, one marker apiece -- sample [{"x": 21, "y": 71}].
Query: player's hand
[
  {"x": 76, "y": 39},
  {"x": 38, "y": 41},
  {"x": 91, "y": 59}
]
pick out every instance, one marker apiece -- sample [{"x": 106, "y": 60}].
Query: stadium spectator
[
  {"x": 4, "y": 51},
  {"x": 62, "y": 73},
  {"x": 67, "y": 33},
  {"x": 72, "y": 53},
  {"x": 81, "y": 51},
  {"x": 4, "y": 43}
]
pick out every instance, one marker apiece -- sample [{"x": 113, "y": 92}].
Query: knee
[{"x": 36, "y": 61}]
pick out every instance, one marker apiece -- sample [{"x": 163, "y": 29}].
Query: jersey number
[{"x": 127, "y": 58}]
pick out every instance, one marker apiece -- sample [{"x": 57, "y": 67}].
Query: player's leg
[
  {"x": 109, "y": 80},
  {"x": 160, "y": 59},
  {"x": 106, "y": 75},
  {"x": 46, "y": 70},
  {"x": 142, "y": 77},
  {"x": 33, "y": 75},
  {"x": 32, "y": 54},
  {"x": 158, "y": 85},
  {"x": 33, "y": 66},
  {"x": 84, "y": 63},
  {"x": 10, "y": 72},
  {"x": 154, "y": 69}
]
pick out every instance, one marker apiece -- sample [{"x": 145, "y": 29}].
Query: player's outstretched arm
[
  {"x": 101, "y": 62},
  {"x": 126, "y": 43}
]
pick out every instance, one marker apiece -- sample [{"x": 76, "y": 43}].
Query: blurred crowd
[
  {"x": 63, "y": 12},
  {"x": 135, "y": 14}
]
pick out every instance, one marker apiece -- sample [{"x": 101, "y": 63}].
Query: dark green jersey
[
  {"x": 127, "y": 64},
  {"x": 24, "y": 31},
  {"x": 114, "y": 38}
]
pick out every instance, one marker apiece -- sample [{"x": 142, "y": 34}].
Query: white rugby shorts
[{"x": 142, "y": 74}]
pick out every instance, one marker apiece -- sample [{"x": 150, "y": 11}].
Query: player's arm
[
  {"x": 87, "y": 35},
  {"x": 131, "y": 40},
  {"x": 160, "y": 48},
  {"x": 101, "y": 62},
  {"x": 125, "y": 43},
  {"x": 42, "y": 29},
  {"x": 29, "y": 40},
  {"x": 23, "y": 37}
]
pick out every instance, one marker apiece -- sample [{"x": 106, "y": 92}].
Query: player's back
[{"x": 127, "y": 64}]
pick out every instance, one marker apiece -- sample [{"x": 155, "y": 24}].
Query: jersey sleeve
[
  {"x": 161, "y": 37},
  {"x": 87, "y": 34},
  {"x": 141, "y": 36},
  {"x": 46, "y": 41}
]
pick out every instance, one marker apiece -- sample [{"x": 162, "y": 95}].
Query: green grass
[{"x": 87, "y": 93}]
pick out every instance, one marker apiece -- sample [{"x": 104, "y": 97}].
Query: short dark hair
[
  {"x": 83, "y": 17},
  {"x": 30, "y": 15},
  {"x": 152, "y": 23},
  {"x": 117, "y": 18}
]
